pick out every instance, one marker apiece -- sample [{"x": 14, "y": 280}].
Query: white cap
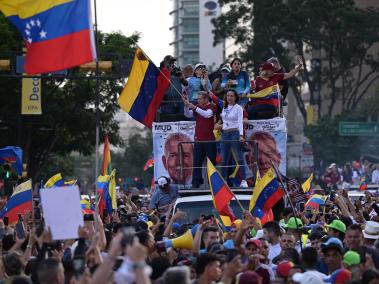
[
  {"x": 162, "y": 181},
  {"x": 308, "y": 277},
  {"x": 371, "y": 230},
  {"x": 198, "y": 65}
]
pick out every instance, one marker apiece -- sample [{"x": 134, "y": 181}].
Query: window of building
[
  {"x": 190, "y": 42},
  {"x": 191, "y": 11},
  {"x": 190, "y": 57},
  {"x": 190, "y": 25}
]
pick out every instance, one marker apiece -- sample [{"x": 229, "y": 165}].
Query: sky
[{"x": 149, "y": 17}]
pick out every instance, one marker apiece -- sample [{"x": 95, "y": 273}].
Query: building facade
[{"x": 192, "y": 32}]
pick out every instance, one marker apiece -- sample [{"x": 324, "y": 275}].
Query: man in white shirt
[{"x": 272, "y": 234}]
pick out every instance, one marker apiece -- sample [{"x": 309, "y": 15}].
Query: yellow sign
[{"x": 31, "y": 96}]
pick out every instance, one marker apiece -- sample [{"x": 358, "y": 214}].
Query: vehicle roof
[{"x": 207, "y": 197}]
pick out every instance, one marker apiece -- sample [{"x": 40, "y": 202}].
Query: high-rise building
[{"x": 193, "y": 37}]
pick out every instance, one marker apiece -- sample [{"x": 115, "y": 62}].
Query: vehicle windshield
[{"x": 195, "y": 209}]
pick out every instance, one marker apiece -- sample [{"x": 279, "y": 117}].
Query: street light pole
[{"x": 97, "y": 93}]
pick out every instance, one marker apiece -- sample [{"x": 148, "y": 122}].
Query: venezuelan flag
[
  {"x": 267, "y": 192},
  {"x": 363, "y": 183},
  {"x": 315, "y": 201},
  {"x": 144, "y": 90},
  {"x": 106, "y": 166},
  {"x": 216, "y": 100},
  {"x": 269, "y": 96},
  {"x": 149, "y": 163},
  {"x": 13, "y": 156},
  {"x": 112, "y": 190},
  {"x": 20, "y": 202},
  {"x": 306, "y": 186},
  {"x": 105, "y": 201},
  {"x": 221, "y": 194},
  {"x": 58, "y": 33},
  {"x": 87, "y": 207},
  {"x": 54, "y": 181}
]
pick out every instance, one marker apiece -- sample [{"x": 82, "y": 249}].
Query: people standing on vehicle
[
  {"x": 232, "y": 134},
  {"x": 238, "y": 79},
  {"x": 203, "y": 112}
]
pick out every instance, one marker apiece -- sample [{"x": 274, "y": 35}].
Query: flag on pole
[
  {"x": 315, "y": 201},
  {"x": 20, "y": 202},
  {"x": 306, "y": 186},
  {"x": 58, "y": 33},
  {"x": 221, "y": 195},
  {"x": 55, "y": 181},
  {"x": 144, "y": 90},
  {"x": 106, "y": 166},
  {"x": 363, "y": 183},
  {"x": 13, "y": 156},
  {"x": 267, "y": 192},
  {"x": 149, "y": 163},
  {"x": 112, "y": 189}
]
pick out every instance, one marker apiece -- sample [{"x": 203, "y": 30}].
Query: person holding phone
[{"x": 198, "y": 82}]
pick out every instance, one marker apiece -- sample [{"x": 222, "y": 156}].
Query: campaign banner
[
  {"x": 31, "y": 96},
  {"x": 271, "y": 136},
  {"x": 170, "y": 139}
]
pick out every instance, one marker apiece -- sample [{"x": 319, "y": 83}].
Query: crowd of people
[
  {"x": 352, "y": 173},
  {"x": 338, "y": 243}
]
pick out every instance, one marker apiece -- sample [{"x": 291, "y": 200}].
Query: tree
[
  {"x": 341, "y": 36},
  {"x": 329, "y": 146},
  {"x": 138, "y": 150},
  {"x": 68, "y": 104}
]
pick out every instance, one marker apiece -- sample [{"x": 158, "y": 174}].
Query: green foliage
[
  {"x": 329, "y": 146},
  {"x": 335, "y": 31},
  {"x": 68, "y": 105},
  {"x": 137, "y": 151}
]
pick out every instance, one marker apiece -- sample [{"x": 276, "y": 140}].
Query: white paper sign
[{"x": 62, "y": 211}]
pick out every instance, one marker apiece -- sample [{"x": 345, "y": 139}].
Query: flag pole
[
  {"x": 97, "y": 93},
  {"x": 279, "y": 176}
]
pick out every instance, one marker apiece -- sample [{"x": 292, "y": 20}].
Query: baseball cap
[
  {"x": 339, "y": 276},
  {"x": 169, "y": 58},
  {"x": 309, "y": 277},
  {"x": 292, "y": 223},
  {"x": 256, "y": 242},
  {"x": 351, "y": 258},
  {"x": 162, "y": 181},
  {"x": 337, "y": 225},
  {"x": 283, "y": 268},
  {"x": 198, "y": 65},
  {"x": 225, "y": 68},
  {"x": 249, "y": 277},
  {"x": 267, "y": 66},
  {"x": 332, "y": 243}
]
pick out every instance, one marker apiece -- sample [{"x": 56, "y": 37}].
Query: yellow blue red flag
[
  {"x": 58, "y": 33},
  {"x": 267, "y": 192},
  {"x": 221, "y": 194},
  {"x": 144, "y": 90}
]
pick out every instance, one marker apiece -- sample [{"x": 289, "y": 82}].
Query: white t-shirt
[{"x": 273, "y": 251}]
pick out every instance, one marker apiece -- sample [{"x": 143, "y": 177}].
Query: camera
[{"x": 176, "y": 71}]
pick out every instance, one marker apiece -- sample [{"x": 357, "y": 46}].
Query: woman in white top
[{"x": 232, "y": 130}]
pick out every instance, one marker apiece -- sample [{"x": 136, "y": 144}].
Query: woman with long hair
[
  {"x": 238, "y": 80},
  {"x": 232, "y": 133}
]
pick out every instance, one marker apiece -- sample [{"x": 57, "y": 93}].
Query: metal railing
[{"x": 181, "y": 168}]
